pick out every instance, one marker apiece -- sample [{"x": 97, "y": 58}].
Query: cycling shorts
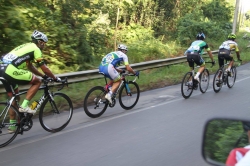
[
  {"x": 195, "y": 58},
  {"x": 224, "y": 54},
  {"x": 14, "y": 76},
  {"x": 110, "y": 72}
]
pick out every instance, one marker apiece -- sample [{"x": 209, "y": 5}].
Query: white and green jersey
[{"x": 114, "y": 58}]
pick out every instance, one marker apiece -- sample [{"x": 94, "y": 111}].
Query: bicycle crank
[{"x": 113, "y": 103}]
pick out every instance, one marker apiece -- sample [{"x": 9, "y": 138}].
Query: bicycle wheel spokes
[
  {"x": 218, "y": 81},
  {"x": 187, "y": 85},
  {"x": 204, "y": 81},
  {"x": 232, "y": 77},
  {"x": 95, "y": 103},
  {"x": 128, "y": 100},
  {"x": 56, "y": 114},
  {"x": 8, "y": 129}
]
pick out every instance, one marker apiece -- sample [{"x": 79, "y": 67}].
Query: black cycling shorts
[
  {"x": 224, "y": 55},
  {"x": 194, "y": 58}
]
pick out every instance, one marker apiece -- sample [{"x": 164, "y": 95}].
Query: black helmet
[
  {"x": 200, "y": 36},
  {"x": 39, "y": 36}
]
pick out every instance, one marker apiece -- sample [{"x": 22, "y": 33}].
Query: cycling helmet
[
  {"x": 231, "y": 36},
  {"x": 122, "y": 47},
  {"x": 200, "y": 36},
  {"x": 36, "y": 35}
]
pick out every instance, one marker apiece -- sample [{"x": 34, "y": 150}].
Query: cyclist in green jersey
[
  {"x": 194, "y": 53},
  {"x": 17, "y": 68}
]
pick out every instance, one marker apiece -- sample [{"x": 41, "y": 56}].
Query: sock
[
  {"x": 229, "y": 68},
  {"x": 25, "y": 103},
  {"x": 110, "y": 92},
  {"x": 197, "y": 75},
  {"x": 12, "y": 127}
]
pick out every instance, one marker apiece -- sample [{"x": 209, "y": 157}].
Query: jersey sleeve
[
  {"x": 125, "y": 59},
  {"x": 38, "y": 58},
  {"x": 207, "y": 47}
]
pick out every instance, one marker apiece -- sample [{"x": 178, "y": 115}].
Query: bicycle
[
  {"x": 95, "y": 103},
  {"x": 56, "y": 110},
  {"x": 222, "y": 77},
  {"x": 189, "y": 83}
]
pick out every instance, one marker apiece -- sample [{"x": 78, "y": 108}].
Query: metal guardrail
[{"x": 82, "y": 76}]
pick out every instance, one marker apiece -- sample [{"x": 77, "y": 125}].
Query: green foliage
[
  {"x": 218, "y": 11},
  {"x": 80, "y": 32},
  {"x": 221, "y": 138}
]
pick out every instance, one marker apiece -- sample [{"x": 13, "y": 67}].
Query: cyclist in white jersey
[
  {"x": 109, "y": 64},
  {"x": 225, "y": 51}
]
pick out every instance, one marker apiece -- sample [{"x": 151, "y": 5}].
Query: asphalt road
[{"x": 163, "y": 129}]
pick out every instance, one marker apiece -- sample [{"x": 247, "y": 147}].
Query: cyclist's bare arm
[
  {"x": 33, "y": 69},
  {"x": 210, "y": 55},
  {"x": 47, "y": 71},
  {"x": 238, "y": 55},
  {"x": 128, "y": 68}
]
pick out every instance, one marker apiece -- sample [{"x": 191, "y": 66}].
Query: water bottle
[{"x": 33, "y": 105}]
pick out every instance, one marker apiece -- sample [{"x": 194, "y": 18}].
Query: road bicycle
[
  {"x": 222, "y": 77},
  {"x": 56, "y": 110},
  {"x": 95, "y": 103},
  {"x": 189, "y": 83}
]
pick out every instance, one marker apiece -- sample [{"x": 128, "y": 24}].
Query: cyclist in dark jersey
[
  {"x": 194, "y": 53},
  {"x": 17, "y": 68}
]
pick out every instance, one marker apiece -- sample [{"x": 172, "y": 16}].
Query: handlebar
[
  {"x": 51, "y": 80},
  {"x": 124, "y": 74}
]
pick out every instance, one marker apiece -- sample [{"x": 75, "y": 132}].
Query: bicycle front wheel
[
  {"x": 8, "y": 128},
  {"x": 218, "y": 81},
  {"x": 187, "y": 85},
  {"x": 128, "y": 100},
  {"x": 56, "y": 112},
  {"x": 204, "y": 81},
  {"x": 231, "y": 78},
  {"x": 95, "y": 103}
]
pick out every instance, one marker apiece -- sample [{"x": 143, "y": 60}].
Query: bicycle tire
[
  {"x": 185, "y": 87},
  {"x": 95, "y": 100},
  {"x": 204, "y": 81},
  {"x": 129, "y": 100},
  {"x": 217, "y": 84},
  {"x": 50, "y": 119},
  {"x": 231, "y": 79},
  {"x": 5, "y": 136}
]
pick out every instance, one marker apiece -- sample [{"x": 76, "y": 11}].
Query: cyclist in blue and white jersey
[{"x": 109, "y": 64}]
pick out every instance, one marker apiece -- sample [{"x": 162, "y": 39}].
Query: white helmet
[
  {"x": 39, "y": 36},
  {"x": 122, "y": 47}
]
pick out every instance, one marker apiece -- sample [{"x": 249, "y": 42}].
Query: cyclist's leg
[
  {"x": 199, "y": 61},
  {"x": 221, "y": 59},
  {"x": 114, "y": 76},
  {"x": 23, "y": 77},
  {"x": 229, "y": 57},
  {"x": 191, "y": 65},
  {"x": 12, "y": 113}
]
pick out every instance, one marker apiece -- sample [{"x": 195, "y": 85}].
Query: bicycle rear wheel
[
  {"x": 128, "y": 100},
  {"x": 6, "y": 135},
  {"x": 218, "y": 81},
  {"x": 56, "y": 113},
  {"x": 187, "y": 85},
  {"x": 95, "y": 103},
  {"x": 204, "y": 81},
  {"x": 231, "y": 79}
]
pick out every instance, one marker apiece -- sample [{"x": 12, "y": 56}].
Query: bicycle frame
[{"x": 15, "y": 95}]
